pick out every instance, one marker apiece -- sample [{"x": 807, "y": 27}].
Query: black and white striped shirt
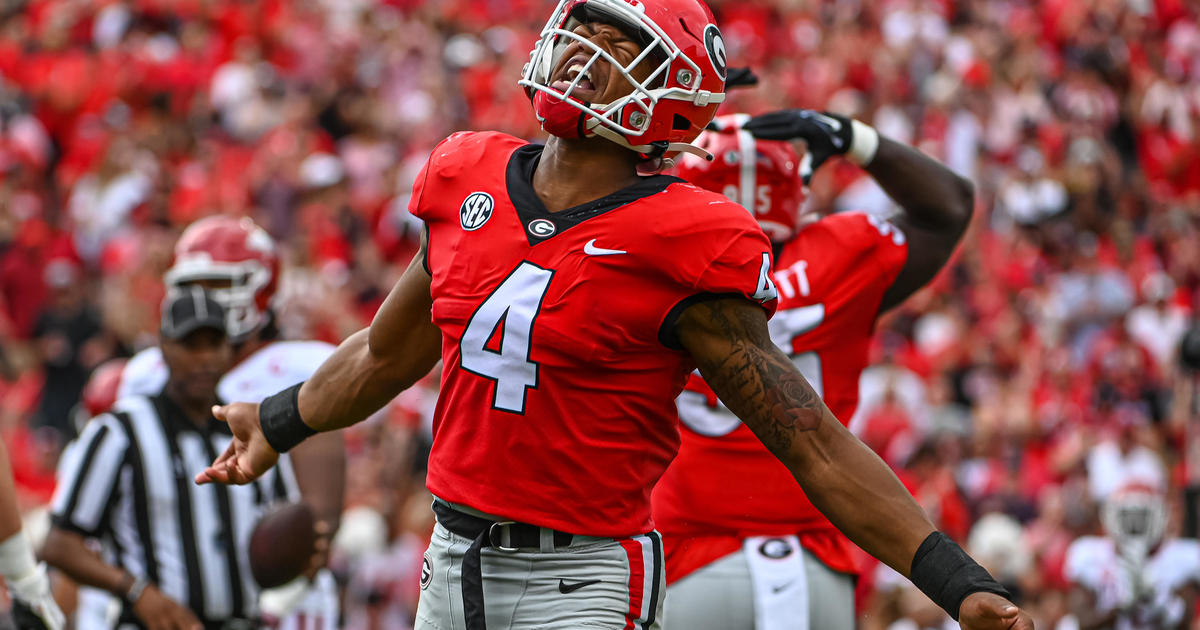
[{"x": 127, "y": 481}]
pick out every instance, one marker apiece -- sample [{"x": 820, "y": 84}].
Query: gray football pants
[
  {"x": 592, "y": 583},
  {"x": 721, "y": 596}
]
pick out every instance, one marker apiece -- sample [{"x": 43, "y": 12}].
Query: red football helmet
[
  {"x": 101, "y": 390},
  {"x": 236, "y": 261},
  {"x": 661, "y": 114},
  {"x": 761, "y": 175}
]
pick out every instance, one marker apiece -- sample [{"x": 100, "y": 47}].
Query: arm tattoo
[{"x": 753, "y": 377}]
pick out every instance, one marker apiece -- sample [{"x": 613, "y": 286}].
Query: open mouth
[{"x": 576, "y": 71}]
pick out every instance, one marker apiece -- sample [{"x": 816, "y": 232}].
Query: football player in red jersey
[
  {"x": 568, "y": 299},
  {"x": 745, "y": 547}
]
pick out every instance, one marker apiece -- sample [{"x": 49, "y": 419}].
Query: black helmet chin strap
[
  {"x": 658, "y": 148},
  {"x": 653, "y": 161}
]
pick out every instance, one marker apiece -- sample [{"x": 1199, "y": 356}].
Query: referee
[{"x": 177, "y": 550}]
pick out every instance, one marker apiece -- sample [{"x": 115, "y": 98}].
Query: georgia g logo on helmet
[{"x": 714, "y": 44}]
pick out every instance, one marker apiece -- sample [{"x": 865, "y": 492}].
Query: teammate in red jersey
[
  {"x": 569, "y": 299},
  {"x": 759, "y": 555}
]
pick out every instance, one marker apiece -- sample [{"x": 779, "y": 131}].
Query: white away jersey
[
  {"x": 273, "y": 367},
  {"x": 1093, "y": 563}
]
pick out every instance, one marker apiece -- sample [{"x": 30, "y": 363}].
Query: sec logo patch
[
  {"x": 476, "y": 209},
  {"x": 426, "y": 571}
]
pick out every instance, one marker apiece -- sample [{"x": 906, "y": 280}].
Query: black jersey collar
[{"x": 540, "y": 224}]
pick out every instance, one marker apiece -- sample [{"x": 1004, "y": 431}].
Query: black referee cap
[{"x": 187, "y": 310}]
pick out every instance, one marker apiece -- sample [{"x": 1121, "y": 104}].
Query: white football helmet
[{"x": 1135, "y": 516}]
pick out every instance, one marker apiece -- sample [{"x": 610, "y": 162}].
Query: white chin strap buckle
[{"x": 683, "y": 147}]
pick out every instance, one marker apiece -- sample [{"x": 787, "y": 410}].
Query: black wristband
[
  {"x": 947, "y": 575},
  {"x": 279, "y": 415}
]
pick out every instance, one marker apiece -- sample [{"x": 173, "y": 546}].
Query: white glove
[
  {"x": 277, "y": 603},
  {"x": 33, "y": 605}
]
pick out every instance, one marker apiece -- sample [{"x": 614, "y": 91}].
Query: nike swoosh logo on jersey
[
  {"x": 781, "y": 587},
  {"x": 591, "y": 250},
  {"x": 565, "y": 588}
]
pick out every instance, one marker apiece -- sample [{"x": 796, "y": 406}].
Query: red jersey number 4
[
  {"x": 514, "y": 305},
  {"x": 766, "y": 287},
  {"x": 508, "y": 314}
]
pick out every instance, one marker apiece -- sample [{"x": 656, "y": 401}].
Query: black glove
[
  {"x": 740, "y": 77},
  {"x": 33, "y": 606},
  {"x": 24, "y": 618},
  {"x": 825, "y": 134}
]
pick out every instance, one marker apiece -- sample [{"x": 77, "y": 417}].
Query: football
[{"x": 282, "y": 543}]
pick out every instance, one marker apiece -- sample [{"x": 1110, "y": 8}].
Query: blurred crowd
[{"x": 1038, "y": 374}]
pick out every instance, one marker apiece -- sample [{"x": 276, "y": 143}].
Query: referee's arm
[
  {"x": 67, "y": 551},
  {"x": 87, "y": 481},
  {"x": 87, "y": 487}
]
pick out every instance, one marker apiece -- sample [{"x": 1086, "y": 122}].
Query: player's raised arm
[
  {"x": 936, "y": 204},
  {"x": 375, "y": 364},
  {"x": 729, "y": 341},
  {"x": 366, "y": 371}
]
